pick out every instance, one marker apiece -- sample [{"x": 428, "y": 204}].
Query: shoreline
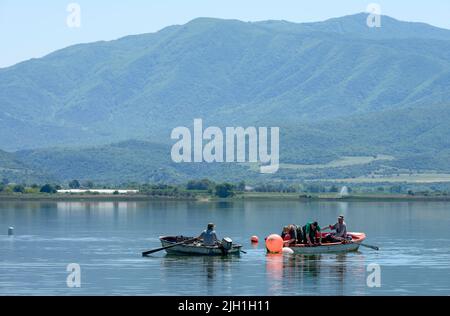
[
  {"x": 89, "y": 198},
  {"x": 238, "y": 197}
]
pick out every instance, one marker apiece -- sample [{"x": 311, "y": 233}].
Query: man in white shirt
[{"x": 340, "y": 229}]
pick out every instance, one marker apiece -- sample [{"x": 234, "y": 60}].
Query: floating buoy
[
  {"x": 10, "y": 231},
  {"x": 274, "y": 243},
  {"x": 254, "y": 239},
  {"x": 287, "y": 251}
]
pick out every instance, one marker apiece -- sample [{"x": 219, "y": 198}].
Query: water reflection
[
  {"x": 285, "y": 271},
  {"x": 107, "y": 238},
  {"x": 279, "y": 266},
  {"x": 211, "y": 272}
]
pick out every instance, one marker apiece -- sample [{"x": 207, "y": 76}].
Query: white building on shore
[{"x": 95, "y": 191}]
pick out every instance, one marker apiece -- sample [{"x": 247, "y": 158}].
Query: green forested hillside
[
  {"x": 130, "y": 161},
  {"x": 417, "y": 148},
  {"x": 104, "y": 111},
  {"x": 417, "y": 137},
  {"x": 225, "y": 71},
  {"x": 14, "y": 171}
]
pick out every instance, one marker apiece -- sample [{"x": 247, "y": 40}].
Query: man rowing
[
  {"x": 209, "y": 236},
  {"x": 340, "y": 233}
]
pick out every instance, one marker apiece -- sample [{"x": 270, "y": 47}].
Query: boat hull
[
  {"x": 357, "y": 238},
  {"x": 196, "y": 249}
]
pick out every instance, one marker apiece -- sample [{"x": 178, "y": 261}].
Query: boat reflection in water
[
  {"x": 213, "y": 272},
  {"x": 281, "y": 266},
  {"x": 310, "y": 274}
]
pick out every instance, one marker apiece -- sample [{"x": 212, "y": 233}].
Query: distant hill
[
  {"x": 124, "y": 162},
  {"x": 336, "y": 88},
  {"x": 418, "y": 137},
  {"x": 356, "y": 26},
  {"x": 417, "y": 147},
  {"x": 14, "y": 171},
  {"x": 225, "y": 71}
]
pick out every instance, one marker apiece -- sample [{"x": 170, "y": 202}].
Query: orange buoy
[
  {"x": 254, "y": 239},
  {"x": 274, "y": 243}
]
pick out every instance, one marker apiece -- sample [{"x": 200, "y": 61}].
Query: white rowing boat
[
  {"x": 195, "y": 247},
  {"x": 349, "y": 246}
]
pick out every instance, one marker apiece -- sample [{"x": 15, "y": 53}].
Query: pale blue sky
[{"x": 34, "y": 28}]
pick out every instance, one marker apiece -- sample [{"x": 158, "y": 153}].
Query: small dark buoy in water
[{"x": 10, "y": 231}]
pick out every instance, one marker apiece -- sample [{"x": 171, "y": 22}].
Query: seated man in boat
[
  {"x": 340, "y": 234},
  {"x": 209, "y": 236},
  {"x": 289, "y": 234},
  {"x": 310, "y": 234}
]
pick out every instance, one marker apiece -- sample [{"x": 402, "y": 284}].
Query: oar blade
[
  {"x": 146, "y": 253},
  {"x": 370, "y": 246}
]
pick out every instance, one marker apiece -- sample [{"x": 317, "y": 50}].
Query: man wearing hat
[{"x": 340, "y": 229}]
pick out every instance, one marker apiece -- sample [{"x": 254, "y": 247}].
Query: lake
[{"x": 106, "y": 240}]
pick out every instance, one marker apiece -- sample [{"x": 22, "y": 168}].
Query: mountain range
[{"x": 335, "y": 88}]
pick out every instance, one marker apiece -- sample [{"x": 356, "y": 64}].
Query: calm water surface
[{"x": 106, "y": 239}]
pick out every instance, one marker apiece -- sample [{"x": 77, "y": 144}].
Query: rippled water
[{"x": 106, "y": 239}]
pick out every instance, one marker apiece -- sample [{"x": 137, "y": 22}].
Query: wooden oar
[
  {"x": 364, "y": 245},
  {"x": 370, "y": 246},
  {"x": 146, "y": 253}
]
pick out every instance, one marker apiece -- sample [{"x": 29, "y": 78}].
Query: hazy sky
[{"x": 34, "y": 28}]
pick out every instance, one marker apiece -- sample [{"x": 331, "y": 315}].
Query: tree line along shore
[{"x": 205, "y": 190}]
